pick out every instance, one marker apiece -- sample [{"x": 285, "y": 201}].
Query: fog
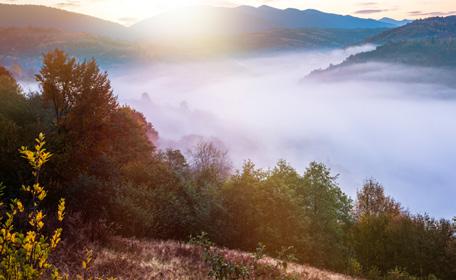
[{"x": 389, "y": 122}]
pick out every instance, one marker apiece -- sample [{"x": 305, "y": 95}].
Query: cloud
[
  {"x": 68, "y": 4},
  {"x": 368, "y": 4},
  {"x": 431, "y": 14},
  {"x": 370, "y": 11},
  {"x": 128, "y": 20}
]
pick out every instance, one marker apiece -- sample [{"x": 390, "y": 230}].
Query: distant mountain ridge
[
  {"x": 244, "y": 19},
  {"x": 395, "y": 22}
]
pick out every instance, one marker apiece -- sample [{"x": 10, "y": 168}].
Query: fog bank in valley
[{"x": 393, "y": 123}]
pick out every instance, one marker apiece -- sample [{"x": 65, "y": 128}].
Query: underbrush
[{"x": 124, "y": 258}]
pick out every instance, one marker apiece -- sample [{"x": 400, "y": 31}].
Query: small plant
[
  {"x": 220, "y": 267},
  {"x": 354, "y": 267},
  {"x": 399, "y": 274},
  {"x": 25, "y": 247},
  {"x": 374, "y": 274},
  {"x": 24, "y": 253},
  {"x": 286, "y": 255},
  {"x": 260, "y": 252}
]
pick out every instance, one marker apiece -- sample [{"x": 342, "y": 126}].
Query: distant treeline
[{"x": 116, "y": 181}]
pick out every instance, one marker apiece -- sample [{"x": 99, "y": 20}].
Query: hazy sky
[{"x": 130, "y": 11}]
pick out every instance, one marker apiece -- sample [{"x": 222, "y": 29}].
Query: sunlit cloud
[{"x": 370, "y": 11}]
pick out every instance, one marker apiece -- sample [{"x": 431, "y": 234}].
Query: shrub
[
  {"x": 355, "y": 268},
  {"x": 399, "y": 274},
  {"x": 25, "y": 251},
  {"x": 220, "y": 267}
]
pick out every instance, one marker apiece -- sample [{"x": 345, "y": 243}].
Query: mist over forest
[{"x": 386, "y": 121}]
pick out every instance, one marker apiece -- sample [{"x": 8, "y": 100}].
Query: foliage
[
  {"x": 25, "y": 253},
  {"x": 220, "y": 268}
]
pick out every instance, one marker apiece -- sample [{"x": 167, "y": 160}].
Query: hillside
[
  {"x": 259, "y": 42},
  {"x": 428, "y": 42},
  {"x": 306, "y": 38},
  {"x": 431, "y": 52},
  {"x": 424, "y": 29},
  {"x": 134, "y": 259},
  {"x": 46, "y": 17},
  {"x": 24, "y": 47}
]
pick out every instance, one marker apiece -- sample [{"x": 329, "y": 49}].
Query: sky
[{"x": 128, "y": 12}]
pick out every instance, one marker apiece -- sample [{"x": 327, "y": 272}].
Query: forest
[{"x": 105, "y": 174}]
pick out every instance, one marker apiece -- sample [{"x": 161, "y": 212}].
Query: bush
[
  {"x": 220, "y": 267},
  {"x": 399, "y": 274},
  {"x": 25, "y": 251}
]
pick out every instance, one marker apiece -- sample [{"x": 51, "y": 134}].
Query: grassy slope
[{"x": 134, "y": 259}]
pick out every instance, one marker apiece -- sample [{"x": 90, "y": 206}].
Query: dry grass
[{"x": 134, "y": 259}]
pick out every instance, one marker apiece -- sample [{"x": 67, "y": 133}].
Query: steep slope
[{"x": 46, "y": 17}]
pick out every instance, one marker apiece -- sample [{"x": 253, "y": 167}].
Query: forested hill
[
  {"x": 428, "y": 42},
  {"x": 428, "y": 53},
  {"x": 424, "y": 29},
  {"x": 21, "y": 49}
]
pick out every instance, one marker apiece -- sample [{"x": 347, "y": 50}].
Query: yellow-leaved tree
[{"x": 25, "y": 246}]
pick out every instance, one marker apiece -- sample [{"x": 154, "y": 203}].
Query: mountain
[
  {"x": 245, "y": 19},
  {"x": 394, "y": 22},
  {"x": 294, "y": 18},
  {"x": 183, "y": 23},
  {"x": 46, "y": 17},
  {"x": 430, "y": 28},
  {"x": 428, "y": 42}
]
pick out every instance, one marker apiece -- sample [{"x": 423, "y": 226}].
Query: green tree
[{"x": 329, "y": 212}]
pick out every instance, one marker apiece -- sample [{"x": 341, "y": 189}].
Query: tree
[
  {"x": 57, "y": 82},
  {"x": 329, "y": 212},
  {"x": 372, "y": 201},
  {"x": 210, "y": 164},
  {"x": 20, "y": 122}
]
